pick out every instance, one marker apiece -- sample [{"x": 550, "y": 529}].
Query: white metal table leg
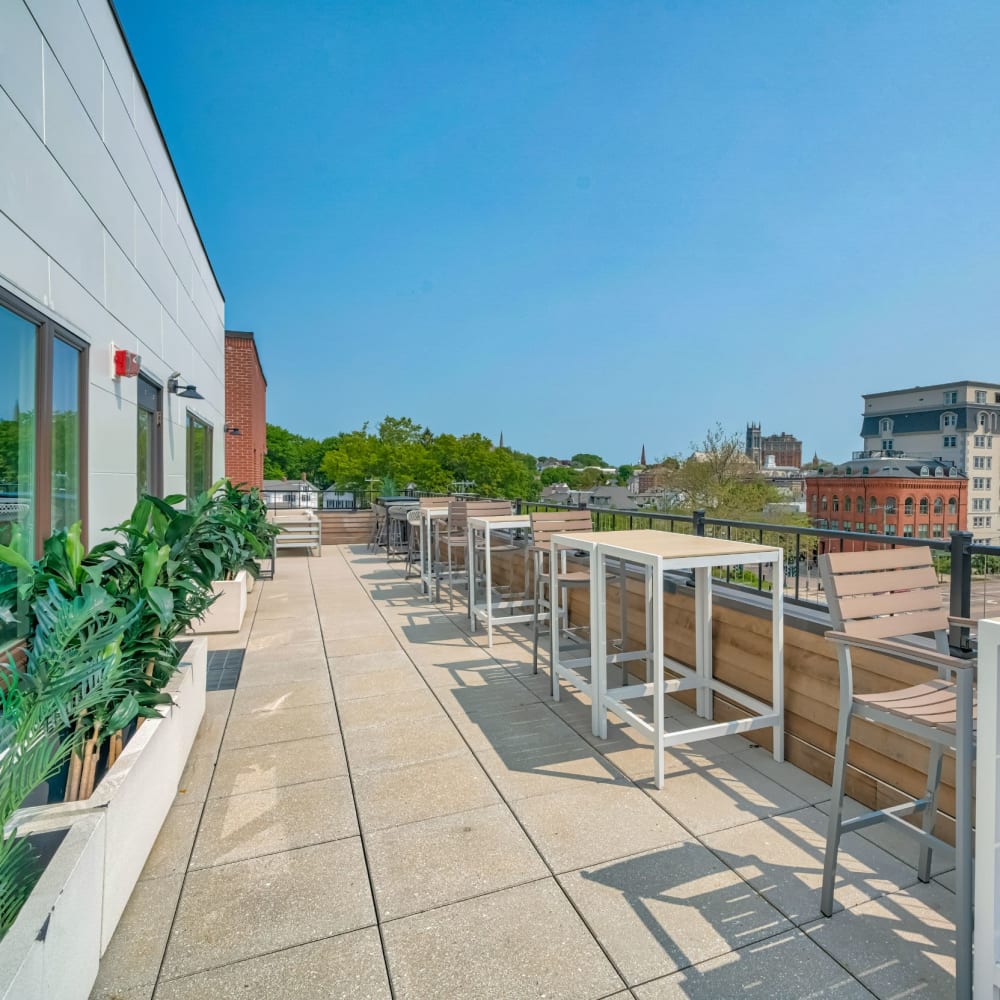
[
  {"x": 778, "y": 656},
  {"x": 655, "y": 586},
  {"x": 488, "y": 587},
  {"x": 703, "y": 639},
  {"x": 422, "y": 539},
  {"x": 555, "y": 622},
  {"x": 470, "y": 567},
  {"x": 599, "y": 641},
  {"x": 598, "y": 649}
]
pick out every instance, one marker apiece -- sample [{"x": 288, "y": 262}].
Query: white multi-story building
[
  {"x": 98, "y": 251},
  {"x": 956, "y": 422}
]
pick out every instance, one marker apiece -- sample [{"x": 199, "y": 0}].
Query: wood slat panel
[
  {"x": 893, "y": 603},
  {"x": 896, "y": 625},
  {"x": 854, "y": 584},
  {"x": 878, "y": 559}
]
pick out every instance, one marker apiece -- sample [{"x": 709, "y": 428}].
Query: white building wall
[{"x": 95, "y": 232}]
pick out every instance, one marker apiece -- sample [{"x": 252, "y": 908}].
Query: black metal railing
[
  {"x": 328, "y": 499},
  {"x": 960, "y": 561}
]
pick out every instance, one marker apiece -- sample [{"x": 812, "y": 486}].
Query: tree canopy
[
  {"x": 401, "y": 451},
  {"x": 717, "y": 477}
]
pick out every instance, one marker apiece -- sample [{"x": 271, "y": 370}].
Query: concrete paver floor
[{"x": 386, "y": 808}]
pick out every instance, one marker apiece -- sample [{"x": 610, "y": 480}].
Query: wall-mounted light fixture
[
  {"x": 187, "y": 391},
  {"x": 231, "y": 429}
]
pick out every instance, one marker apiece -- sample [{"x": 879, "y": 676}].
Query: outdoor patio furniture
[
  {"x": 300, "y": 529},
  {"x": 656, "y": 553},
  {"x": 497, "y": 531},
  {"x": 878, "y": 602},
  {"x": 433, "y": 510},
  {"x": 543, "y": 525},
  {"x": 379, "y": 518},
  {"x": 414, "y": 543},
  {"x": 455, "y": 539},
  {"x": 396, "y": 536}
]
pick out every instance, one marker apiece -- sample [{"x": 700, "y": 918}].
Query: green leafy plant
[
  {"x": 253, "y": 533},
  {"x": 72, "y": 669}
]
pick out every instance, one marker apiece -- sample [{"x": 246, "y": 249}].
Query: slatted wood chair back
[
  {"x": 459, "y": 512},
  {"x": 884, "y": 594},
  {"x": 432, "y": 503},
  {"x": 545, "y": 524}
]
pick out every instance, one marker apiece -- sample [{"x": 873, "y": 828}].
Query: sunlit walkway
[{"x": 385, "y": 808}]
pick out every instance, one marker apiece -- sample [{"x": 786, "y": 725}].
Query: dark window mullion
[{"x": 43, "y": 436}]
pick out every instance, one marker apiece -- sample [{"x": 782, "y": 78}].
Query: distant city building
[
  {"x": 954, "y": 422},
  {"x": 780, "y": 449},
  {"x": 889, "y": 495},
  {"x": 752, "y": 449},
  {"x": 598, "y": 496},
  {"x": 646, "y": 480}
]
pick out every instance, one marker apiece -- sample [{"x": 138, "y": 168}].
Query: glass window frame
[
  {"x": 192, "y": 422},
  {"x": 47, "y": 331}
]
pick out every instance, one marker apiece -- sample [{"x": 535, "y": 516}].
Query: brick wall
[{"x": 246, "y": 408}]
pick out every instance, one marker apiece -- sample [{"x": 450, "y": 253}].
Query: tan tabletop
[
  {"x": 501, "y": 520},
  {"x": 673, "y": 545}
]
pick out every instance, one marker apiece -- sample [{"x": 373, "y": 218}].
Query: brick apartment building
[
  {"x": 898, "y": 495},
  {"x": 246, "y": 410}
]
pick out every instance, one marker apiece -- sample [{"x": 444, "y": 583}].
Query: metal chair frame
[{"x": 877, "y": 600}]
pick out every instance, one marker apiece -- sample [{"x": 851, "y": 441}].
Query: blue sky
[{"x": 591, "y": 225}]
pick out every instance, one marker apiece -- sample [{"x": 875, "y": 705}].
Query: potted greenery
[
  {"x": 242, "y": 533},
  {"x": 50, "y": 883},
  {"x": 103, "y": 686}
]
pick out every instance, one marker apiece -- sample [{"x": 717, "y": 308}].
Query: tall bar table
[
  {"x": 655, "y": 553},
  {"x": 485, "y": 527}
]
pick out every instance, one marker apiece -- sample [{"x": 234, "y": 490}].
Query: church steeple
[
  {"x": 501, "y": 440},
  {"x": 642, "y": 457}
]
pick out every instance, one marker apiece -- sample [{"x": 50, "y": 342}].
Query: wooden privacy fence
[
  {"x": 885, "y": 767},
  {"x": 346, "y": 527}
]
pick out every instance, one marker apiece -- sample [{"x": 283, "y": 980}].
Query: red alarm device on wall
[{"x": 127, "y": 364}]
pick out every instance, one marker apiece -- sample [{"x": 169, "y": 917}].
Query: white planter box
[
  {"x": 226, "y": 613},
  {"x": 251, "y": 582},
  {"x": 136, "y": 794},
  {"x": 53, "y": 950}
]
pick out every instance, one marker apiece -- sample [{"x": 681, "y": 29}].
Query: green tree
[
  {"x": 290, "y": 455},
  {"x": 586, "y": 458},
  {"x": 590, "y": 477},
  {"x": 718, "y": 477},
  {"x": 561, "y": 474}
]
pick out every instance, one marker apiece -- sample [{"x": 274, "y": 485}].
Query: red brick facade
[
  {"x": 906, "y": 505},
  {"x": 246, "y": 409}
]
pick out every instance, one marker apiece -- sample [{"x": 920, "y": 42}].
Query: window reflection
[
  {"x": 17, "y": 447},
  {"x": 199, "y": 456},
  {"x": 65, "y": 435}
]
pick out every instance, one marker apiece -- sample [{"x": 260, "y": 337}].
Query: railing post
[
  {"x": 517, "y": 506},
  {"x": 960, "y": 605},
  {"x": 699, "y": 522}
]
